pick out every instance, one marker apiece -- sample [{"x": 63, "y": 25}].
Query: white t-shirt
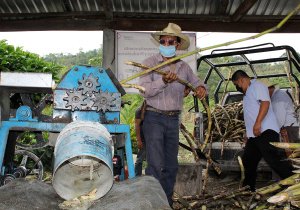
[
  {"x": 283, "y": 108},
  {"x": 256, "y": 93}
]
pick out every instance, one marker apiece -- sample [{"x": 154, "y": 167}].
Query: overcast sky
[{"x": 47, "y": 42}]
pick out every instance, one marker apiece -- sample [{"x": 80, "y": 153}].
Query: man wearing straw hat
[{"x": 164, "y": 98}]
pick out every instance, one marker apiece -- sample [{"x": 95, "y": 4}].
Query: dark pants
[
  {"x": 141, "y": 156},
  {"x": 260, "y": 147},
  {"x": 162, "y": 136}
]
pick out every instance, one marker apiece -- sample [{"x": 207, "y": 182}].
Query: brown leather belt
[{"x": 168, "y": 113}]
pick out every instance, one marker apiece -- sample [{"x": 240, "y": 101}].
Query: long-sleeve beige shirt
[{"x": 168, "y": 96}]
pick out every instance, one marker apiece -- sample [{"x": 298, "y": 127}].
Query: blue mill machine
[{"x": 84, "y": 128}]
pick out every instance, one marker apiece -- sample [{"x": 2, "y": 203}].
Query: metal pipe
[{"x": 15, "y": 125}]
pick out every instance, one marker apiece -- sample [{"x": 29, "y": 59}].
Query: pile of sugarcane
[
  {"x": 227, "y": 123},
  {"x": 289, "y": 192},
  {"x": 284, "y": 194},
  {"x": 281, "y": 195}
]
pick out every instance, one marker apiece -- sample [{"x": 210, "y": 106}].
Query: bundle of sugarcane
[
  {"x": 227, "y": 123},
  {"x": 223, "y": 199},
  {"x": 288, "y": 190},
  {"x": 230, "y": 196}
]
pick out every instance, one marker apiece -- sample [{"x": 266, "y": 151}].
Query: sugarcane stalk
[
  {"x": 276, "y": 186},
  {"x": 229, "y": 194},
  {"x": 287, "y": 207},
  {"x": 296, "y": 171},
  {"x": 140, "y": 88},
  {"x": 296, "y": 203},
  {"x": 261, "y": 207},
  {"x": 235, "y": 202},
  {"x": 207, "y": 155},
  {"x": 286, "y": 195},
  {"x": 205, "y": 180},
  {"x": 224, "y": 111},
  {"x": 284, "y": 145},
  {"x": 242, "y": 170},
  {"x": 294, "y": 154},
  {"x": 196, "y": 197},
  {"x": 273, "y": 29},
  {"x": 295, "y": 160},
  {"x": 182, "y": 81},
  {"x": 241, "y": 203},
  {"x": 290, "y": 180},
  {"x": 226, "y": 85},
  {"x": 216, "y": 123},
  {"x": 196, "y": 157},
  {"x": 250, "y": 201},
  {"x": 181, "y": 200},
  {"x": 182, "y": 126}
]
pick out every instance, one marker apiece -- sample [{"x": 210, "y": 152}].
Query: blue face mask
[{"x": 167, "y": 51}]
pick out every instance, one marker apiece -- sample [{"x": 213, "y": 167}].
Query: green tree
[
  {"x": 92, "y": 57},
  {"x": 16, "y": 59}
]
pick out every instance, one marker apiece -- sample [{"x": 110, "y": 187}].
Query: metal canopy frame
[
  {"x": 291, "y": 57},
  {"x": 147, "y": 15}
]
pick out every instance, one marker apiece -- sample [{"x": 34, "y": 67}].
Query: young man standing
[{"x": 261, "y": 129}]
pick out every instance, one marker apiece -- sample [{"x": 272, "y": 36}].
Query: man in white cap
[{"x": 164, "y": 98}]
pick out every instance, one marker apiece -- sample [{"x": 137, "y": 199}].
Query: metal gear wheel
[
  {"x": 89, "y": 101},
  {"x": 103, "y": 100},
  {"x": 75, "y": 99},
  {"x": 89, "y": 84}
]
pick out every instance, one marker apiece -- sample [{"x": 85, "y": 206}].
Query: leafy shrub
[
  {"x": 16, "y": 59},
  {"x": 128, "y": 115}
]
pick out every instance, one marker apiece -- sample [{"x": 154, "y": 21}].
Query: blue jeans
[{"x": 161, "y": 134}]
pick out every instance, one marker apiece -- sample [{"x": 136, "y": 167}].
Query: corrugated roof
[{"x": 196, "y": 15}]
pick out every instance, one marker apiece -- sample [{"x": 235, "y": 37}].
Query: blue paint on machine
[{"x": 86, "y": 118}]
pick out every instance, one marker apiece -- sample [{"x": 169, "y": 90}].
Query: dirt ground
[
  {"x": 227, "y": 183},
  {"x": 140, "y": 193}
]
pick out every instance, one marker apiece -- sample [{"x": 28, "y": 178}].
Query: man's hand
[
  {"x": 257, "y": 129},
  {"x": 169, "y": 77},
  {"x": 284, "y": 135},
  {"x": 186, "y": 91},
  {"x": 200, "y": 92}
]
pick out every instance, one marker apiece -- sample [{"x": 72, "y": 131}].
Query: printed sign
[{"x": 137, "y": 46}]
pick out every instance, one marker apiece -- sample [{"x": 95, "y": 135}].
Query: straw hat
[{"x": 173, "y": 30}]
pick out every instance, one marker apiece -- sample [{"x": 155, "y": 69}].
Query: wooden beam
[
  {"x": 249, "y": 24},
  {"x": 244, "y": 7}
]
